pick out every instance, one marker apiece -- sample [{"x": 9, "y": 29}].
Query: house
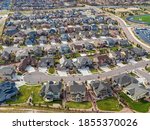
[
  {"x": 30, "y": 41},
  {"x": 104, "y": 59},
  {"x": 136, "y": 91},
  {"x": 101, "y": 89},
  {"x": 26, "y": 62},
  {"x": 7, "y": 72},
  {"x": 11, "y": 30},
  {"x": 38, "y": 51},
  {"x": 89, "y": 46},
  {"x": 110, "y": 42},
  {"x": 76, "y": 91},
  {"x": 52, "y": 51},
  {"x": 138, "y": 52},
  {"x": 65, "y": 49},
  {"x": 21, "y": 54},
  {"x": 7, "y": 91},
  {"x": 53, "y": 31},
  {"x": 51, "y": 91},
  {"x": 46, "y": 62},
  {"x": 86, "y": 27},
  {"x": 124, "y": 42},
  {"x": 65, "y": 37},
  {"x": 94, "y": 27},
  {"x": 66, "y": 63},
  {"x": 5, "y": 55},
  {"x": 123, "y": 80},
  {"x": 78, "y": 47},
  {"x": 42, "y": 40},
  {"x": 83, "y": 62}
]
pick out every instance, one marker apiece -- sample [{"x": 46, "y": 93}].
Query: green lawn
[
  {"x": 79, "y": 105},
  {"x": 142, "y": 18},
  {"x": 75, "y": 55},
  {"x": 93, "y": 70},
  {"x": 25, "y": 92},
  {"x": 109, "y": 104},
  {"x": 140, "y": 106}
]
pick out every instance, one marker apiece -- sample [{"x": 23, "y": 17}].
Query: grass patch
[
  {"x": 93, "y": 70},
  {"x": 25, "y": 92},
  {"x": 109, "y": 104},
  {"x": 132, "y": 74},
  {"x": 116, "y": 48},
  {"x": 75, "y": 55},
  {"x": 51, "y": 70},
  {"x": 140, "y": 106},
  {"x": 79, "y": 105},
  {"x": 142, "y": 18}
]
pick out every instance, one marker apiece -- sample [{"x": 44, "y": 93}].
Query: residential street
[{"x": 37, "y": 77}]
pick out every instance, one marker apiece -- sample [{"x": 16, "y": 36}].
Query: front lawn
[
  {"x": 93, "y": 70},
  {"x": 140, "y": 106},
  {"x": 109, "y": 104},
  {"x": 79, "y": 105}
]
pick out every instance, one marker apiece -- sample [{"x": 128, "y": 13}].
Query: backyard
[
  {"x": 139, "y": 106},
  {"x": 79, "y": 105},
  {"x": 109, "y": 104}
]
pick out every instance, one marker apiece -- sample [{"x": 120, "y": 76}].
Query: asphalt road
[{"x": 38, "y": 77}]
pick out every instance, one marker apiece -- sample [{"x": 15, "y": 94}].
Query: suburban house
[
  {"x": 26, "y": 62},
  {"x": 89, "y": 46},
  {"x": 136, "y": 91},
  {"x": 7, "y": 90},
  {"x": 46, "y": 62},
  {"x": 7, "y": 72},
  {"x": 76, "y": 91},
  {"x": 123, "y": 80},
  {"x": 138, "y": 52},
  {"x": 5, "y": 55},
  {"x": 65, "y": 49},
  {"x": 101, "y": 89},
  {"x": 83, "y": 62},
  {"x": 21, "y": 54},
  {"x": 52, "y": 51},
  {"x": 78, "y": 47},
  {"x": 66, "y": 63},
  {"x": 51, "y": 91},
  {"x": 103, "y": 60},
  {"x": 38, "y": 51}
]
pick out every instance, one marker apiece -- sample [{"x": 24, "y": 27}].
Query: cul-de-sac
[{"x": 75, "y": 56}]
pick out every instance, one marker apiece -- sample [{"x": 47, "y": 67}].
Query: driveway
[
  {"x": 30, "y": 69},
  {"x": 43, "y": 70},
  {"x": 85, "y": 71},
  {"x": 62, "y": 73},
  {"x": 105, "y": 68}
]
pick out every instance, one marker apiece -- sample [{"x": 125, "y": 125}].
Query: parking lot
[{"x": 144, "y": 34}]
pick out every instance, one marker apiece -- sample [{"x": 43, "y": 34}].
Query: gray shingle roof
[{"x": 77, "y": 87}]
